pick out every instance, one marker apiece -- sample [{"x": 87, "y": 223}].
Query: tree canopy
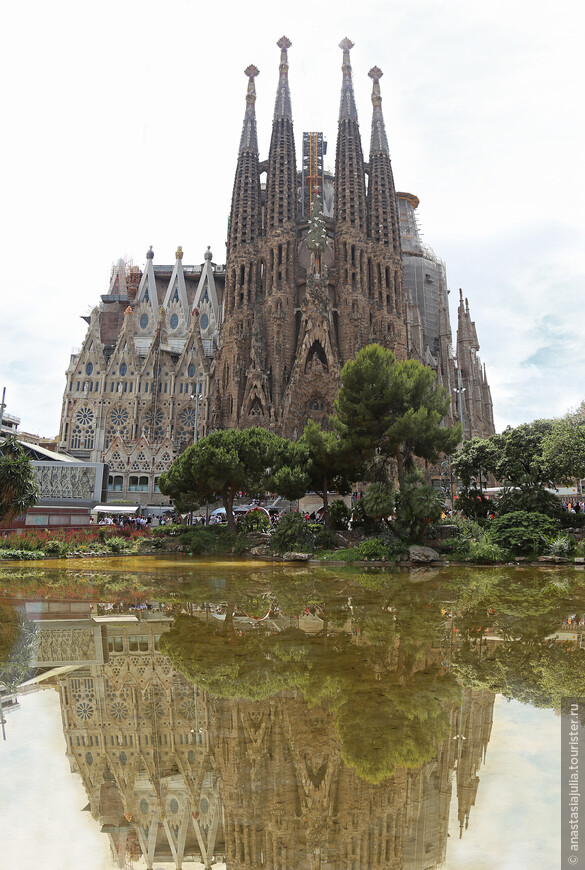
[
  {"x": 254, "y": 461},
  {"x": 332, "y": 464},
  {"x": 390, "y": 410},
  {"x": 527, "y": 460}
]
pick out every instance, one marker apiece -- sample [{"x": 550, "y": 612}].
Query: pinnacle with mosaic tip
[
  {"x": 179, "y": 253},
  {"x": 284, "y": 42},
  {"x": 346, "y": 44},
  {"x": 150, "y": 254},
  {"x": 252, "y": 71},
  {"x": 375, "y": 73}
]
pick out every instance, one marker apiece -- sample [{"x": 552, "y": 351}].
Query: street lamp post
[
  {"x": 459, "y": 389},
  {"x": 196, "y": 395}
]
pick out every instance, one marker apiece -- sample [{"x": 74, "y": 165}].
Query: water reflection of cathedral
[{"x": 176, "y": 776}]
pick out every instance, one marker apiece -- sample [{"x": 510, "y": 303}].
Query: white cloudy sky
[{"x": 121, "y": 128}]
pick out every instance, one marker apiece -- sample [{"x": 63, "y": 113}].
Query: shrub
[
  {"x": 457, "y": 548},
  {"x": 486, "y": 552},
  {"x": 373, "y": 548},
  {"x": 324, "y": 538},
  {"x": 254, "y": 521},
  {"x": 340, "y": 515},
  {"x": 474, "y": 504},
  {"x": 360, "y": 519},
  {"x": 562, "y": 545},
  {"x": 530, "y": 500},
  {"x": 56, "y": 548},
  {"x": 292, "y": 534},
  {"x": 522, "y": 532},
  {"x": 417, "y": 505},
  {"x": 571, "y": 520},
  {"x": 207, "y": 539},
  {"x": 580, "y": 549},
  {"x": 240, "y": 546}
]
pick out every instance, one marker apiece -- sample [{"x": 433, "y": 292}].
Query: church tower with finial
[
  {"x": 174, "y": 352},
  {"x": 304, "y": 293},
  {"x": 386, "y": 292}
]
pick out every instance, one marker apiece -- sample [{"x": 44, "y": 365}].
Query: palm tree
[{"x": 18, "y": 487}]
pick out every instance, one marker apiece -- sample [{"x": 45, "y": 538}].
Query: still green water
[{"x": 261, "y": 716}]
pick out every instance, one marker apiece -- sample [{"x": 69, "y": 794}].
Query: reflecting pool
[{"x": 194, "y": 713}]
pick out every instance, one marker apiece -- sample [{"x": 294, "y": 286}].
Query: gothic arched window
[
  {"x": 117, "y": 424},
  {"x": 83, "y": 432}
]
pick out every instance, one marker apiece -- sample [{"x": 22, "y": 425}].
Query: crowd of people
[
  {"x": 574, "y": 507},
  {"x": 131, "y": 521}
]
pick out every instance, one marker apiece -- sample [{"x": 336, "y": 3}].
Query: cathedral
[{"x": 318, "y": 265}]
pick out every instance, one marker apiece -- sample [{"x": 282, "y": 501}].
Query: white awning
[{"x": 115, "y": 509}]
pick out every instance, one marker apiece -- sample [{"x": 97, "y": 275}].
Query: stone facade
[
  {"x": 142, "y": 377},
  {"x": 305, "y": 293},
  {"x": 262, "y": 341}
]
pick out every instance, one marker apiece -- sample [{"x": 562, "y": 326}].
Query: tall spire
[
  {"x": 281, "y": 179},
  {"x": 350, "y": 177},
  {"x": 282, "y": 105},
  {"x": 347, "y": 107},
  {"x": 379, "y": 142},
  {"x": 249, "y": 138},
  {"x": 383, "y": 221},
  {"x": 245, "y": 215}
]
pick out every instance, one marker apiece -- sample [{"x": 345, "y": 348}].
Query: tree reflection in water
[{"x": 330, "y": 709}]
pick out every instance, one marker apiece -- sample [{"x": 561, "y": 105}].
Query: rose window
[
  {"x": 119, "y": 710},
  {"x": 84, "y": 710},
  {"x": 188, "y": 710},
  {"x": 84, "y": 416},
  {"x": 119, "y": 416},
  {"x": 152, "y": 417},
  {"x": 188, "y": 418}
]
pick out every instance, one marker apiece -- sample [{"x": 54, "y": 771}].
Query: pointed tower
[
  {"x": 281, "y": 182},
  {"x": 384, "y": 248},
  {"x": 477, "y": 410},
  {"x": 350, "y": 222},
  {"x": 243, "y": 271},
  {"x": 176, "y": 305},
  {"x": 279, "y": 260}
]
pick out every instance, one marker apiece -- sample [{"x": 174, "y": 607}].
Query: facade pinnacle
[
  {"x": 249, "y": 138},
  {"x": 347, "y": 107},
  {"x": 379, "y": 141},
  {"x": 282, "y": 106}
]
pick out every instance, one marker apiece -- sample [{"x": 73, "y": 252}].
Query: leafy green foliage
[
  {"x": 564, "y": 447},
  {"x": 340, "y": 515},
  {"x": 473, "y": 504},
  {"x": 486, "y": 552},
  {"x": 527, "y": 461},
  {"x": 379, "y": 500},
  {"x": 417, "y": 505},
  {"x": 562, "y": 545},
  {"x": 18, "y": 487},
  {"x": 522, "y": 532},
  {"x": 292, "y": 535},
  {"x": 361, "y": 520},
  {"x": 216, "y": 539},
  {"x": 254, "y": 521},
  {"x": 232, "y": 460},
  {"x": 393, "y": 410},
  {"x": 332, "y": 464}
]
